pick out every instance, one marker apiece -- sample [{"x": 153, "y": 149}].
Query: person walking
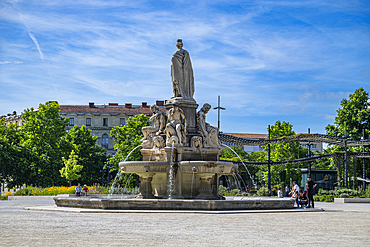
[
  {"x": 295, "y": 192},
  {"x": 311, "y": 191}
]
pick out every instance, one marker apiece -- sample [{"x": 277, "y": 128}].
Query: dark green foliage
[
  {"x": 32, "y": 154},
  {"x": 90, "y": 155},
  {"x": 14, "y": 167},
  {"x": 42, "y": 133},
  {"x": 355, "y": 112},
  {"x": 127, "y": 138}
]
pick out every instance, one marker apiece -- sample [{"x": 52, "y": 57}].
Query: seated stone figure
[
  {"x": 208, "y": 132},
  {"x": 176, "y": 126},
  {"x": 159, "y": 121}
]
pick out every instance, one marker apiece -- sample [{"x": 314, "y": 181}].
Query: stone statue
[
  {"x": 157, "y": 128},
  {"x": 208, "y": 132},
  {"x": 182, "y": 73},
  {"x": 176, "y": 126}
]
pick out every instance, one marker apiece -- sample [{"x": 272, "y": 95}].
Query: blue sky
[{"x": 269, "y": 60}]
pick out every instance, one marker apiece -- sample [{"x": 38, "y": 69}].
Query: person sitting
[
  {"x": 85, "y": 190},
  {"x": 78, "y": 190},
  {"x": 280, "y": 192},
  {"x": 302, "y": 199}
]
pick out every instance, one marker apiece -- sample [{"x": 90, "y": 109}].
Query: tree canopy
[{"x": 127, "y": 138}]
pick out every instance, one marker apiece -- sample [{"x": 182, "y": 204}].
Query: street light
[{"x": 218, "y": 112}]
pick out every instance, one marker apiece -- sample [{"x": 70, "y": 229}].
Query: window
[
  {"x": 104, "y": 141},
  {"x": 313, "y": 146},
  {"x": 72, "y": 121},
  {"x": 88, "y": 121},
  {"x": 105, "y": 121},
  {"x": 122, "y": 121}
]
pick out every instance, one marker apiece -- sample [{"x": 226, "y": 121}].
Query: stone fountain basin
[
  {"x": 245, "y": 203},
  {"x": 220, "y": 167}
]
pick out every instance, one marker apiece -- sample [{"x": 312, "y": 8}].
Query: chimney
[
  {"x": 144, "y": 104},
  {"x": 91, "y": 105},
  {"x": 159, "y": 102},
  {"x": 113, "y": 104},
  {"x": 128, "y": 105}
]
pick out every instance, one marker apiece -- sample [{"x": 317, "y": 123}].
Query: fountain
[{"x": 180, "y": 166}]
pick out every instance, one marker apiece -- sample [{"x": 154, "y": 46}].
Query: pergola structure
[{"x": 333, "y": 140}]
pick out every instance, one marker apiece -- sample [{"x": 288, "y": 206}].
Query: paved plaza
[{"x": 338, "y": 225}]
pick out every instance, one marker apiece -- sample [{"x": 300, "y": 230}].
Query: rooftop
[{"x": 248, "y": 136}]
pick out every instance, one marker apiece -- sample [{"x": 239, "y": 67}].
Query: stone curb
[
  {"x": 86, "y": 210},
  {"x": 15, "y": 198},
  {"x": 351, "y": 200}
]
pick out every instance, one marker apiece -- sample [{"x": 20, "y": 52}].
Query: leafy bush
[
  {"x": 347, "y": 192},
  {"x": 222, "y": 190},
  {"x": 234, "y": 192},
  {"x": 263, "y": 191},
  {"x": 344, "y": 195},
  {"x": 28, "y": 191},
  {"x": 125, "y": 190}
]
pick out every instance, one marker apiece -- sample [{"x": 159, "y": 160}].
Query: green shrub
[
  {"x": 222, "y": 190},
  {"x": 263, "y": 191},
  {"x": 344, "y": 195},
  {"x": 28, "y": 191},
  {"x": 234, "y": 192}
]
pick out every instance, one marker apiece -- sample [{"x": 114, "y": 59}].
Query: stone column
[
  {"x": 205, "y": 188},
  {"x": 146, "y": 190}
]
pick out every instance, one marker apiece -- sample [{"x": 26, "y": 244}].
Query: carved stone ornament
[
  {"x": 159, "y": 120},
  {"x": 196, "y": 142},
  {"x": 176, "y": 126},
  {"x": 208, "y": 132}
]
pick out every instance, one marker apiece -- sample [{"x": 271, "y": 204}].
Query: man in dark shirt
[
  {"x": 311, "y": 190},
  {"x": 302, "y": 199}
]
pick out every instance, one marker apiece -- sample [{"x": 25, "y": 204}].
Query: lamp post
[
  {"x": 345, "y": 157},
  {"x": 218, "y": 112},
  {"x": 363, "y": 162},
  {"x": 269, "y": 165},
  {"x": 309, "y": 155}
]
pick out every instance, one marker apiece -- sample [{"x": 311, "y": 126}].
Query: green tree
[
  {"x": 42, "y": 133},
  {"x": 14, "y": 167},
  {"x": 70, "y": 169},
  {"x": 227, "y": 154},
  {"x": 289, "y": 150},
  {"x": 355, "y": 113},
  {"x": 127, "y": 138},
  {"x": 91, "y": 156}
]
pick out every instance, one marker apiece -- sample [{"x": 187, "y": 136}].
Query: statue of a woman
[
  {"x": 208, "y": 132},
  {"x": 182, "y": 73}
]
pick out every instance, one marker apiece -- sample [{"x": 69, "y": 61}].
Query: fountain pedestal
[
  {"x": 146, "y": 190},
  {"x": 205, "y": 188}
]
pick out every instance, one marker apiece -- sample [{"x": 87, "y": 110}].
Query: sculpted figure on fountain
[
  {"x": 208, "y": 132},
  {"x": 182, "y": 73},
  {"x": 176, "y": 127},
  {"x": 157, "y": 128}
]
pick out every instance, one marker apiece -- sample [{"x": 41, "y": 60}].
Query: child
[
  {"x": 280, "y": 192},
  {"x": 85, "y": 189}
]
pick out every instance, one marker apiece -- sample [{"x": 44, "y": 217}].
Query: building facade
[{"x": 101, "y": 119}]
